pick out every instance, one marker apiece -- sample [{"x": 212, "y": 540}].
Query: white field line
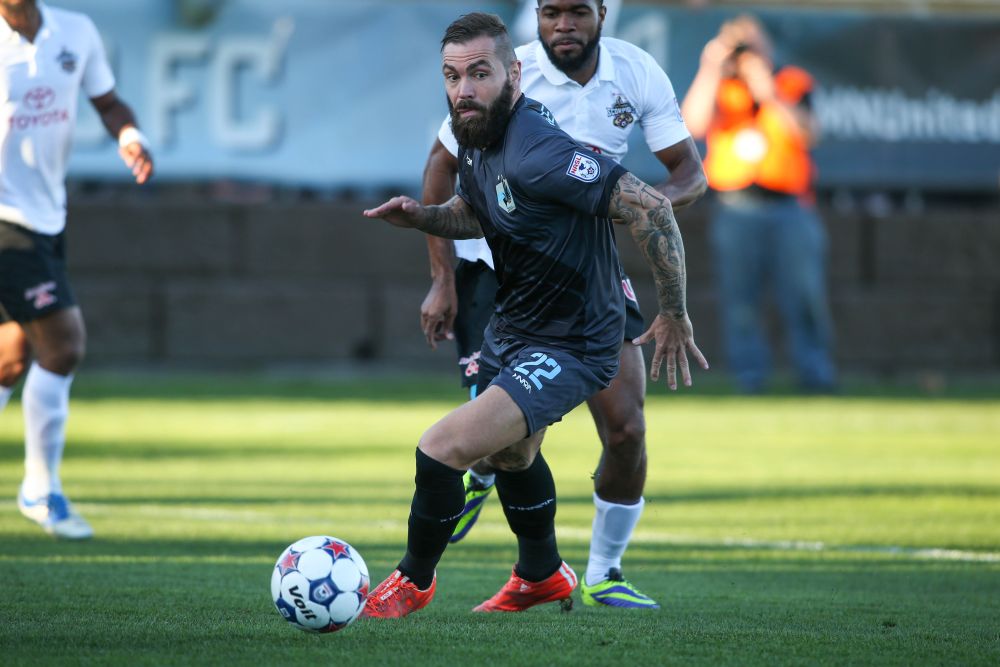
[
  {"x": 640, "y": 536},
  {"x": 923, "y": 553}
]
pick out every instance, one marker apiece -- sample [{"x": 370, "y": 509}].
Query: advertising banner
[{"x": 337, "y": 94}]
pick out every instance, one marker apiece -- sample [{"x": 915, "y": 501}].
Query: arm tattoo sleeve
[
  {"x": 451, "y": 220},
  {"x": 650, "y": 219}
]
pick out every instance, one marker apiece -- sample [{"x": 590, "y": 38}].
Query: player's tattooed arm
[
  {"x": 453, "y": 219},
  {"x": 650, "y": 219}
]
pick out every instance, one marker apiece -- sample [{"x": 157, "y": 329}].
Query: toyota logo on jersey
[
  {"x": 37, "y": 110},
  {"x": 40, "y": 98}
]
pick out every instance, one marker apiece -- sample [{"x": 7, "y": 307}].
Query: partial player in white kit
[
  {"x": 598, "y": 89},
  {"x": 47, "y": 56}
]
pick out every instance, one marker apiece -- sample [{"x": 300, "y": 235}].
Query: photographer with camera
[{"x": 758, "y": 127}]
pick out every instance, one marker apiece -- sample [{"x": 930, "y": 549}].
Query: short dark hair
[
  {"x": 477, "y": 24},
  {"x": 600, "y": 3}
]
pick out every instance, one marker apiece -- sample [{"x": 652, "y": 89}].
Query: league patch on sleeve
[{"x": 584, "y": 168}]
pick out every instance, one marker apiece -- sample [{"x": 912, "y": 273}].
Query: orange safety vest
[{"x": 757, "y": 146}]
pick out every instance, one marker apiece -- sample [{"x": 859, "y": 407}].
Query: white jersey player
[
  {"x": 47, "y": 57},
  {"x": 598, "y": 91}
]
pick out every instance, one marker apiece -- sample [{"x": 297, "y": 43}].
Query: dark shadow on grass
[
  {"x": 358, "y": 493},
  {"x": 230, "y": 387},
  {"x": 149, "y": 450},
  {"x": 345, "y": 495},
  {"x": 412, "y": 387}
]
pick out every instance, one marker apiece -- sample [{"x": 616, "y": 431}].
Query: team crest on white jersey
[
  {"x": 67, "y": 59},
  {"x": 504, "y": 196},
  {"x": 584, "y": 168},
  {"x": 622, "y": 112}
]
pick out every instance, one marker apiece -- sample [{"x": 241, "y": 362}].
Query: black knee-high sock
[
  {"x": 437, "y": 504},
  {"x": 529, "y": 501}
]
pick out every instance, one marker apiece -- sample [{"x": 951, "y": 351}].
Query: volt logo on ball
[{"x": 320, "y": 584}]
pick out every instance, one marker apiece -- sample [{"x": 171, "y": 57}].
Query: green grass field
[{"x": 778, "y": 530}]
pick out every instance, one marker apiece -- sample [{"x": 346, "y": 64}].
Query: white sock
[
  {"x": 484, "y": 480},
  {"x": 5, "y": 393},
  {"x": 45, "y": 401},
  {"x": 613, "y": 526}
]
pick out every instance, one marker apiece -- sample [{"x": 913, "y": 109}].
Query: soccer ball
[{"x": 320, "y": 584}]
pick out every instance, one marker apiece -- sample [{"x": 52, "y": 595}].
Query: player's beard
[
  {"x": 489, "y": 126},
  {"x": 571, "y": 64}
]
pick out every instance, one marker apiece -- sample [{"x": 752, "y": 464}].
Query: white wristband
[{"x": 131, "y": 135}]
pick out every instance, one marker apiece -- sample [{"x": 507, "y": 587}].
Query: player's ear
[{"x": 514, "y": 75}]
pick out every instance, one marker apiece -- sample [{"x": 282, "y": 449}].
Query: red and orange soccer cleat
[
  {"x": 396, "y": 597},
  {"x": 518, "y": 594}
]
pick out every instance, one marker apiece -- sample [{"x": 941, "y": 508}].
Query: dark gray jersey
[{"x": 542, "y": 201}]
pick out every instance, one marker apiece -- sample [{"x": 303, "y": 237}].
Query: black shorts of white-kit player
[
  {"x": 476, "y": 289},
  {"x": 33, "y": 280}
]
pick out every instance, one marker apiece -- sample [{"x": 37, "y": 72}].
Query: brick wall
[{"x": 253, "y": 285}]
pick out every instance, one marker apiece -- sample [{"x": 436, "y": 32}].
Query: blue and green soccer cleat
[
  {"x": 475, "y": 495},
  {"x": 616, "y": 591}
]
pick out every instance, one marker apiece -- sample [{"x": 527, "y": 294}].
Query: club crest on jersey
[
  {"x": 504, "y": 196},
  {"x": 584, "y": 168},
  {"x": 67, "y": 59},
  {"x": 622, "y": 112}
]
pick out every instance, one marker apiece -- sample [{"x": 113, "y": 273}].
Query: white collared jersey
[
  {"x": 40, "y": 84},
  {"x": 628, "y": 89}
]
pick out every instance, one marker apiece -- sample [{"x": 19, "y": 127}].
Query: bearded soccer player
[
  {"x": 598, "y": 89},
  {"x": 47, "y": 56},
  {"x": 544, "y": 204}
]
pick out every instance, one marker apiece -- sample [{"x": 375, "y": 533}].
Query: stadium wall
[{"x": 259, "y": 285}]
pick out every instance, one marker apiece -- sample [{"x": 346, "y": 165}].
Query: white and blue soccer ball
[{"x": 320, "y": 584}]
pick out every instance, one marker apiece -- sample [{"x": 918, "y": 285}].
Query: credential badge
[
  {"x": 504, "y": 196},
  {"x": 584, "y": 168}
]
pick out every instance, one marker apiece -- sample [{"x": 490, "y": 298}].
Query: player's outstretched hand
[
  {"x": 400, "y": 211},
  {"x": 437, "y": 312},
  {"x": 138, "y": 159},
  {"x": 674, "y": 339}
]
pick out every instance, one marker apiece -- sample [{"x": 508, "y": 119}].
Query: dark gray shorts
[
  {"x": 545, "y": 382},
  {"x": 476, "y": 286}
]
